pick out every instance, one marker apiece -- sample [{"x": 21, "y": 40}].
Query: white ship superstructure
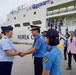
[{"x": 63, "y": 11}]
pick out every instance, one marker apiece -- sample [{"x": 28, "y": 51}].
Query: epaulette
[
  {"x": 49, "y": 49},
  {"x": 5, "y": 38},
  {"x": 38, "y": 37}
]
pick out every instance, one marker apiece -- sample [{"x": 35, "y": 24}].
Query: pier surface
[{"x": 24, "y": 65}]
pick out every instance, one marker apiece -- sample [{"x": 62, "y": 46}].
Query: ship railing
[
  {"x": 14, "y": 12},
  {"x": 29, "y": 6},
  {"x": 61, "y": 10}
]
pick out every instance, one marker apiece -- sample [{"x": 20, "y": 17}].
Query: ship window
[
  {"x": 14, "y": 17},
  {"x": 37, "y": 22},
  {"x": 49, "y": 9},
  {"x": 26, "y": 24},
  {"x": 17, "y": 25},
  {"x": 24, "y": 15},
  {"x": 34, "y": 13}
]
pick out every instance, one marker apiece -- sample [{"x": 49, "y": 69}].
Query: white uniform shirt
[{"x": 6, "y": 44}]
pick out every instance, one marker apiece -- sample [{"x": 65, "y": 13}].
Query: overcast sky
[{"x": 7, "y": 5}]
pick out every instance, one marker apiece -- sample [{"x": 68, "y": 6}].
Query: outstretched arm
[
  {"x": 30, "y": 51},
  {"x": 11, "y": 53}
]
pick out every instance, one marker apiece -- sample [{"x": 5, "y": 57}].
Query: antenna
[{"x": 12, "y": 4}]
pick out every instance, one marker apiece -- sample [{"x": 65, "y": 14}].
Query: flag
[{"x": 49, "y": 1}]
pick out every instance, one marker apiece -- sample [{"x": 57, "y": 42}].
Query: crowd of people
[
  {"x": 47, "y": 56},
  {"x": 54, "y": 24}
]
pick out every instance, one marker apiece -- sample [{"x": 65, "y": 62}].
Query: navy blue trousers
[
  {"x": 38, "y": 66},
  {"x": 5, "y": 68},
  {"x": 70, "y": 59},
  {"x": 65, "y": 52}
]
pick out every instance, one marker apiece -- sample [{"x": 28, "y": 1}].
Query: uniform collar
[
  {"x": 53, "y": 46},
  {"x": 5, "y": 37},
  {"x": 38, "y": 36},
  {"x": 50, "y": 47}
]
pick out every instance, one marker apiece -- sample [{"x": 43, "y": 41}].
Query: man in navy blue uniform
[
  {"x": 59, "y": 27},
  {"x": 66, "y": 31},
  {"x": 37, "y": 49},
  {"x": 43, "y": 33},
  {"x": 55, "y": 24},
  {"x": 65, "y": 47},
  {"x": 46, "y": 45}
]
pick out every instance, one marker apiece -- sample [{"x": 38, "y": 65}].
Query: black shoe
[
  {"x": 65, "y": 59},
  {"x": 68, "y": 68}
]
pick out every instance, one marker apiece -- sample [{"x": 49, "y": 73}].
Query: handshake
[{"x": 21, "y": 54}]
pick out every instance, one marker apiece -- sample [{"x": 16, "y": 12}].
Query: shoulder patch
[{"x": 45, "y": 59}]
